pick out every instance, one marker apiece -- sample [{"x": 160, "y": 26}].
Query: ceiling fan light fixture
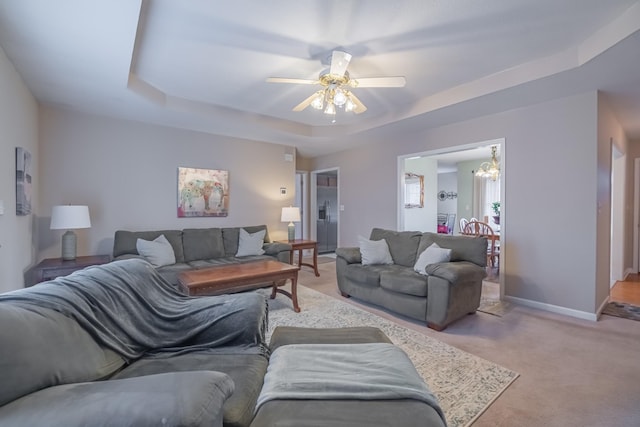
[
  {"x": 349, "y": 105},
  {"x": 331, "y": 109},
  {"x": 339, "y": 98},
  {"x": 318, "y": 101}
]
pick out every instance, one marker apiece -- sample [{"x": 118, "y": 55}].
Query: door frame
[
  {"x": 502, "y": 143},
  {"x": 302, "y": 201},
  {"x": 313, "y": 203}
]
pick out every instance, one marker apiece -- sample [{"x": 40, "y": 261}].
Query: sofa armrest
[
  {"x": 350, "y": 255},
  {"x": 457, "y": 272},
  {"x": 275, "y": 248}
]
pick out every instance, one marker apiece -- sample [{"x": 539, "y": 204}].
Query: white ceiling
[{"x": 202, "y": 65}]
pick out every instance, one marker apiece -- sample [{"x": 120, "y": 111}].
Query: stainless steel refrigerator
[{"x": 327, "y": 225}]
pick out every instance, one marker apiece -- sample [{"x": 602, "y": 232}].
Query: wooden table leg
[
  {"x": 315, "y": 260},
  {"x": 293, "y": 294}
]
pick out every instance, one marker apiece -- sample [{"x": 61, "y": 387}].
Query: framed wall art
[
  {"x": 202, "y": 192},
  {"x": 23, "y": 181}
]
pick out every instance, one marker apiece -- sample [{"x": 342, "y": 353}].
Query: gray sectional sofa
[
  {"x": 116, "y": 345},
  {"x": 445, "y": 292},
  {"x": 198, "y": 248}
]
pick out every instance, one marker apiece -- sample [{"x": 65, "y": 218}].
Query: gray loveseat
[
  {"x": 447, "y": 292},
  {"x": 198, "y": 248}
]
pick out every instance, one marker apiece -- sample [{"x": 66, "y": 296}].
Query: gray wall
[
  {"x": 552, "y": 157},
  {"x": 18, "y": 128},
  {"x": 126, "y": 172},
  {"x": 425, "y": 218}
]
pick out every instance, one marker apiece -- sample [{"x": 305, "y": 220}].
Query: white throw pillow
[
  {"x": 432, "y": 255},
  {"x": 159, "y": 252},
  {"x": 374, "y": 251},
  {"x": 250, "y": 244}
]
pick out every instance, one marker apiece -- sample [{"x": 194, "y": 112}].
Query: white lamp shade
[
  {"x": 290, "y": 214},
  {"x": 70, "y": 217}
]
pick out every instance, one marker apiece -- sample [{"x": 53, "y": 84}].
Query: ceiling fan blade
[
  {"x": 398, "y": 81},
  {"x": 339, "y": 62},
  {"x": 304, "y": 104},
  {"x": 286, "y": 80},
  {"x": 360, "y": 107}
]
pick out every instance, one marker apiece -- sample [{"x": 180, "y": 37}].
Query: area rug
[
  {"x": 465, "y": 384},
  {"x": 622, "y": 309}
]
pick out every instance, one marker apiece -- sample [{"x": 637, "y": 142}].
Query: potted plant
[{"x": 495, "y": 206}]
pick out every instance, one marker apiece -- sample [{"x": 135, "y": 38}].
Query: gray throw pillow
[
  {"x": 158, "y": 252},
  {"x": 432, "y": 255},
  {"x": 374, "y": 251},
  {"x": 250, "y": 244}
]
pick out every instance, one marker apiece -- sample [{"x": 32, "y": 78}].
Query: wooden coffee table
[{"x": 232, "y": 278}]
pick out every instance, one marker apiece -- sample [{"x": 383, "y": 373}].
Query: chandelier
[{"x": 490, "y": 169}]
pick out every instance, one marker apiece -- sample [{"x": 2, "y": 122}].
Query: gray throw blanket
[
  {"x": 128, "y": 307},
  {"x": 376, "y": 371}
]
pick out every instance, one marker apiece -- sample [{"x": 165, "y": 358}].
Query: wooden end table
[
  {"x": 50, "y": 268},
  {"x": 233, "y": 278},
  {"x": 300, "y": 245}
]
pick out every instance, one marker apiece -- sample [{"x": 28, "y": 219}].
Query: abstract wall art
[{"x": 203, "y": 192}]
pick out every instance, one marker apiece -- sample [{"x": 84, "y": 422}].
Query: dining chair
[
  {"x": 477, "y": 228},
  {"x": 463, "y": 224},
  {"x": 451, "y": 220}
]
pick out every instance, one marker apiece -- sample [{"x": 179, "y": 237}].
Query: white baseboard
[
  {"x": 627, "y": 272},
  {"x": 555, "y": 308}
]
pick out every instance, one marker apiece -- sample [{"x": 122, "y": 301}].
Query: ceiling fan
[{"x": 336, "y": 87}]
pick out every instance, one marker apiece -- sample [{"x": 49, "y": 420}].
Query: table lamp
[
  {"x": 69, "y": 217},
  {"x": 291, "y": 215}
]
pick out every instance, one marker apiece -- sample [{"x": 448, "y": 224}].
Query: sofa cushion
[
  {"x": 125, "y": 241},
  {"x": 158, "y": 252},
  {"x": 246, "y": 370},
  {"x": 250, "y": 243},
  {"x": 374, "y": 251},
  {"x": 403, "y": 245},
  {"x": 368, "y": 275},
  {"x": 231, "y": 236},
  {"x": 432, "y": 255},
  {"x": 405, "y": 281},
  {"x": 202, "y": 243},
  {"x": 169, "y": 399},
  {"x": 39, "y": 351},
  {"x": 463, "y": 248}
]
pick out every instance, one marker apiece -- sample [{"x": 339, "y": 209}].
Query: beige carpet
[{"x": 464, "y": 384}]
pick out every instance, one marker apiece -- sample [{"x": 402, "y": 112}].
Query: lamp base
[
  {"x": 292, "y": 232},
  {"x": 69, "y": 245}
]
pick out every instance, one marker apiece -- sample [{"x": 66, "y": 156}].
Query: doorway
[
  {"x": 453, "y": 194},
  {"x": 325, "y": 209}
]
